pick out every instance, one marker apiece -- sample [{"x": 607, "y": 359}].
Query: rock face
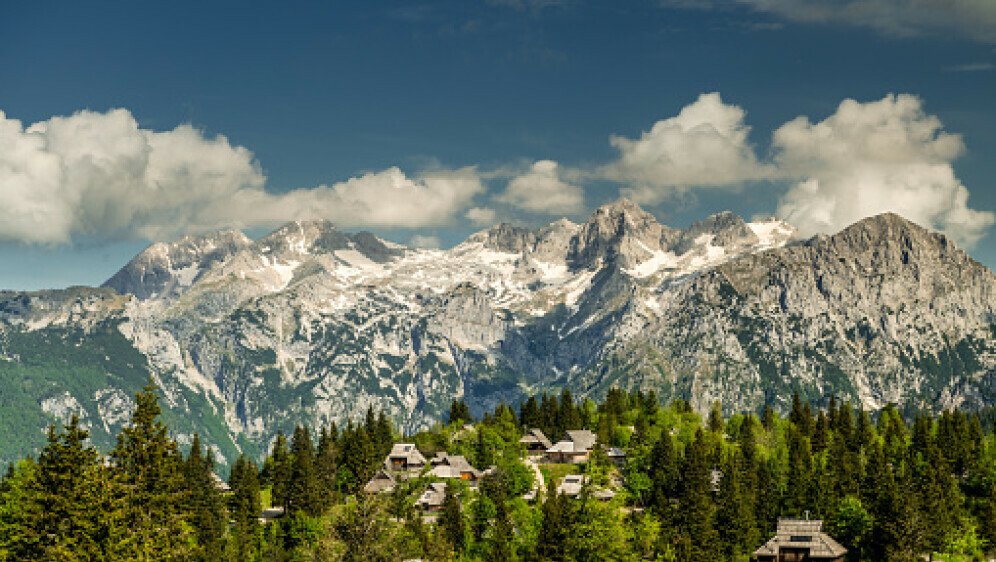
[
  {"x": 313, "y": 325},
  {"x": 165, "y": 270}
]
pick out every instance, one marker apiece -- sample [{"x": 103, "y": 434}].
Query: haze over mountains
[{"x": 313, "y": 325}]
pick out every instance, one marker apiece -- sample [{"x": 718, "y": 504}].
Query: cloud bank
[{"x": 100, "y": 174}]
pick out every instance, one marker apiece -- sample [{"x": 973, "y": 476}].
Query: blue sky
[{"x": 424, "y": 122}]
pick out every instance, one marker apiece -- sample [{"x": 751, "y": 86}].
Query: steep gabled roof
[
  {"x": 802, "y": 533},
  {"x": 452, "y": 466},
  {"x": 381, "y": 482},
  {"x": 407, "y": 451},
  {"x": 432, "y": 496},
  {"x": 582, "y": 438},
  {"x": 536, "y": 435}
]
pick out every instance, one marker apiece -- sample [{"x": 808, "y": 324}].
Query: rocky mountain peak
[
  {"x": 620, "y": 232},
  {"x": 725, "y": 230},
  {"x": 164, "y": 268},
  {"x": 508, "y": 238}
]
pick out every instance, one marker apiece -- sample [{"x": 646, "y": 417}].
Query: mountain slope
[{"x": 312, "y": 325}]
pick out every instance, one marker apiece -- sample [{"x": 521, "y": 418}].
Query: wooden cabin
[{"x": 800, "y": 540}]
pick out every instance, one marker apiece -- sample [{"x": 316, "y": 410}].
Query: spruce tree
[
  {"x": 54, "y": 521},
  {"x": 664, "y": 474},
  {"x": 278, "y": 468},
  {"x": 529, "y": 413},
  {"x": 302, "y": 489},
  {"x": 451, "y": 520},
  {"x": 715, "y": 422},
  {"x": 245, "y": 508},
  {"x": 552, "y": 539},
  {"x": 697, "y": 511},
  {"x": 570, "y": 418},
  {"x": 147, "y": 464},
  {"x": 325, "y": 467},
  {"x": 205, "y": 505}
]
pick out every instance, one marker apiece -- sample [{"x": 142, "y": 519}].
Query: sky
[{"x": 127, "y": 123}]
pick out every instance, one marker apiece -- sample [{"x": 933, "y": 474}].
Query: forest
[{"x": 683, "y": 488}]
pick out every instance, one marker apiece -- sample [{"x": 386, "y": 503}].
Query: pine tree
[
  {"x": 570, "y": 418},
  {"x": 735, "y": 513},
  {"x": 696, "y": 516},
  {"x": 799, "y": 495},
  {"x": 54, "y": 518},
  {"x": 451, "y": 520},
  {"x": 664, "y": 477},
  {"x": 302, "y": 490},
  {"x": 552, "y": 539},
  {"x": 147, "y": 464},
  {"x": 277, "y": 469},
  {"x": 245, "y": 508},
  {"x": 529, "y": 413},
  {"x": 385, "y": 435},
  {"x": 205, "y": 505},
  {"x": 715, "y": 423},
  {"x": 325, "y": 468},
  {"x": 768, "y": 417}
]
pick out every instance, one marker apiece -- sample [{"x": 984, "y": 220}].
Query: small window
[{"x": 801, "y": 538}]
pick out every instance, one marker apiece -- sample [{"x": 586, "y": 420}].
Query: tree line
[{"x": 692, "y": 488}]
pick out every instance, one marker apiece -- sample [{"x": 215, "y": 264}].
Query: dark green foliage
[
  {"x": 277, "y": 471},
  {"x": 897, "y": 490},
  {"x": 205, "y": 506},
  {"x": 245, "y": 509},
  {"x": 459, "y": 413},
  {"x": 148, "y": 465},
  {"x": 451, "y": 521},
  {"x": 696, "y": 516}
]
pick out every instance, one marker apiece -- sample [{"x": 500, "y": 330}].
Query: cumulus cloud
[
  {"x": 100, "y": 174},
  {"x": 542, "y": 190},
  {"x": 869, "y": 158},
  {"x": 482, "y": 216},
  {"x": 705, "y": 145}
]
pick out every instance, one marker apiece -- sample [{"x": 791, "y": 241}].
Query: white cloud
[
  {"x": 380, "y": 199},
  {"x": 482, "y": 216},
  {"x": 869, "y": 158},
  {"x": 975, "y": 19},
  {"x": 420, "y": 241},
  {"x": 100, "y": 174},
  {"x": 541, "y": 190},
  {"x": 705, "y": 145}
]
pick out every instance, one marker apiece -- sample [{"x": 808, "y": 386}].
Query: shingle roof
[
  {"x": 452, "y": 466},
  {"x": 535, "y": 435},
  {"x": 381, "y": 482},
  {"x": 564, "y": 447},
  {"x": 407, "y": 451},
  {"x": 582, "y": 438},
  {"x": 571, "y": 484},
  {"x": 802, "y": 533},
  {"x": 432, "y": 496}
]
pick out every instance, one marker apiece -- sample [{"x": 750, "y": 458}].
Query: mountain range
[{"x": 313, "y": 325}]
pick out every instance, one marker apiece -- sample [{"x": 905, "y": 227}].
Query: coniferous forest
[{"x": 662, "y": 483}]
